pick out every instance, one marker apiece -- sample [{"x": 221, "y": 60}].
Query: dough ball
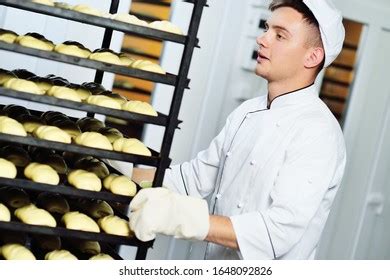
[
  {"x": 139, "y": 107},
  {"x": 115, "y": 225},
  {"x": 117, "y": 97},
  {"x": 120, "y": 185},
  {"x": 131, "y": 146},
  {"x": 101, "y": 257},
  {"x": 23, "y": 85},
  {"x": 125, "y": 59},
  {"x": 48, "y": 242},
  {"x": 147, "y": 65},
  {"x": 7, "y": 169},
  {"x": 30, "y": 123},
  {"x": 41, "y": 173},
  {"x": 16, "y": 252},
  {"x": 14, "y": 197},
  {"x": 90, "y": 124},
  {"x": 60, "y": 255},
  {"x": 83, "y": 93},
  {"x": 44, "y": 2},
  {"x": 166, "y": 26},
  {"x": 84, "y": 180},
  {"x": 111, "y": 133},
  {"x": 5, "y": 76},
  {"x": 104, "y": 101},
  {"x": 7, "y": 36},
  {"x": 87, "y": 10},
  {"x": 69, "y": 127},
  {"x": 106, "y": 56},
  {"x": 35, "y": 41},
  {"x": 73, "y": 48},
  {"x": 5, "y": 215},
  {"x": 64, "y": 93},
  {"x": 93, "y": 165},
  {"x": 11, "y": 126},
  {"x": 127, "y": 18},
  {"x": 94, "y": 140},
  {"x": 32, "y": 215},
  {"x": 78, "y": 221},
  {"x": 52, "y": 133},
  {"x": 87, "y": 246},
  {"x": 54, "y": 203}
]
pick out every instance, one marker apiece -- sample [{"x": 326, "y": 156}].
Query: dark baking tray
[
  {"x": 161, "y": 119},
  {"x": 96, "y": 21},
  {"x": 168, "y": 79}
]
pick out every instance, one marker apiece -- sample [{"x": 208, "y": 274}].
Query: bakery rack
[{"x": 160, "y": 160}]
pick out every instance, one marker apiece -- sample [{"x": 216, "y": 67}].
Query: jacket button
[{"x": 253, "y": 162}]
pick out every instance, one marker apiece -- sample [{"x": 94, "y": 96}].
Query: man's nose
[{"x": 262, "y": 40}]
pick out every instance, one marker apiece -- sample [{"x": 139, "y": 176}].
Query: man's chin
[{"x": 260, "y": 73}]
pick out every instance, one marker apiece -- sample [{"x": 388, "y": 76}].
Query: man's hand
[
  {"x": 159, "y": 210},
  {"x": 141, "y": 175}
]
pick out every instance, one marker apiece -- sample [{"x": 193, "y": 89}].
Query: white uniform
[{"x": 274, "y": 172}]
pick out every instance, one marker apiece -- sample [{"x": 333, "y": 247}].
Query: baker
[{"x": 274, "y": 169}]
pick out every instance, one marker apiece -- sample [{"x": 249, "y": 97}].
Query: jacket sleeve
[
  {"x": 198, "y": 177},
  {"x": 314, "y": 163}
]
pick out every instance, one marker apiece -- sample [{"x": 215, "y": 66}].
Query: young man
[{"x": 275, "y": 168}]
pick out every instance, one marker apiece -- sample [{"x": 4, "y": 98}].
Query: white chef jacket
[{"x": 274, "y": 171}]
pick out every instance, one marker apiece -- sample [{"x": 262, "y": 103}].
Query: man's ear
[{"x": 314, "y": 57}]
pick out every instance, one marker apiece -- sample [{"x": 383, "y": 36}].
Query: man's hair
[{"x": 308, "y": 17}]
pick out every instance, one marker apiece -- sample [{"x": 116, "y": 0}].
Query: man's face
[{"x": 283, "y": 46}]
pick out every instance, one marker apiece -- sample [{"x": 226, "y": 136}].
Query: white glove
[{"x": 159, "y": 210}]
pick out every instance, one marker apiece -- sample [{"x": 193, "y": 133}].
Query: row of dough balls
[
  {"x": 15, "y": 251},
  {"x": 115, "y": 101},
  {"x": 166, "y": 26},
  {"x": 37, "y": 41},
  {"x": 88, "y": 139}
]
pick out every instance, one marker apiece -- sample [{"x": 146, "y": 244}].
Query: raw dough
[
  {"x": 84, "y": 180},
  {"x": 52, "y": 133},
  {"x": 115, "y": 225},
  {"x": 78, "y": 221},
  {"x": 30, "y": 123},
  {"x": 120, "y": 185},
  {"x": 166, "y": 26},
  {"x": 105, "y": 55},
  {"x": 11, "y": 126},
  {"x": 93, "y": 165},
  {"x": 111, "y": 133},
  {"x": 139, "y": 107},
  {"x": 87, "y": 10},
  {"x": 60, "y": 255},
  {"x": 44, "y": 2},
  {"x": 32, "y": 215},
  {"x": 7, "y": 36},
  {"x": 129, "y": 19},
  {"x": 104, "y": 101},
  {"x": 64, "y": 93},
  {"x": 73, "y": 48},
  {"x": 41, "y": 173},
  {"x": 35, "y": 41},
  {"x": 94, "y": 140},
  {"x": 125, "y": 59},
  {"x": 5, "y": 215},
  {"x": 101, "y": 257},
  {"x": 23, "y": 85},
  {"x": 5, "y": 76},
  {"x": 7, "y": 169},
  {"x": 147, "y": 65},
  {"x": 131, "y": 146},
  {"x": 16, "y": 252}
]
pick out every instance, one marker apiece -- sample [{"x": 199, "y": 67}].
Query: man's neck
[{"x": 276, "y": 89}]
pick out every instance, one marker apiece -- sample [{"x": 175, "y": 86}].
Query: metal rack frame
[{"x": 162, "y": 161}]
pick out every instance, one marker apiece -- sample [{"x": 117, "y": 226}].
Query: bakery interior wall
[{"x": 221, "y": 80}]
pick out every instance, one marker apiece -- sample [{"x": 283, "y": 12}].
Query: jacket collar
[{"x": 294, "y": 97}]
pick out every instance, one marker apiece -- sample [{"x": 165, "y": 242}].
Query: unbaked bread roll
[
  {"x": 129, "y": 19},
  {"x": 30, "y": 123},
  {"x": 68, "y": 126},
  {"x": 7, "y": 36},
  {"x": 11, "y": 126},
  {"x": 87, "y": 246},
  {"x": 5, "y": 215},
  {"x": 5, "y": 76},
  {"x": 103, "y": 101},
  {"x": 56, "y": 162},
  {"x": 115, "y": 225},
  {"x": 131, "y": 146},
  {"x": 23, "y": 85},
  {"x": 111, "y": 133},
  {"x": 84, "y": 180},
  {"x": 16, "y": 252},
  {"x": 93, "y": 165},
  {"x": 60, "y": 255},
  {"x": 48, "y": 242},
  {"x": 43, "y": 83},
  {"x": 64, "y": 93},
  {"x": 87, "y": 10},
  {"x": 14, "y": 198},
  {"x": 139, "y": 107},
  {"x": 166, "y": 26},
  {"x": 125, "y": 59},
  {"x": 83, "y": 93},
  {"x": 120, "y": 185},
  {"x": 7, "y": 169},
  {"x": 32, "y": 215},
  {"x": 35, "y": 41},
  {"x": 41, "y": 173},
  {"x": 78, "y": 221},
  {"x": 147, "y": 65},
  {"x": 105, "y": 55},
  {"x": 89, "y": 124},
  {"x": 52, "y": 133},
  {"x": 73, "y": 48},
  {"x": 94, "y": 140},
  {"x": 44, "y": 2},
  {"x": 101, "y": 257},
  {"x": 63, "y": 5},
  {"x": 53, "y": 202}
]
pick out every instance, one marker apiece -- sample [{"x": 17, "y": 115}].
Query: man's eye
[{"x": 279, "y": 36}]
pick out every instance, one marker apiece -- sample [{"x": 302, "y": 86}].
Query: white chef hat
[{"x": 331, "y": 27}]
